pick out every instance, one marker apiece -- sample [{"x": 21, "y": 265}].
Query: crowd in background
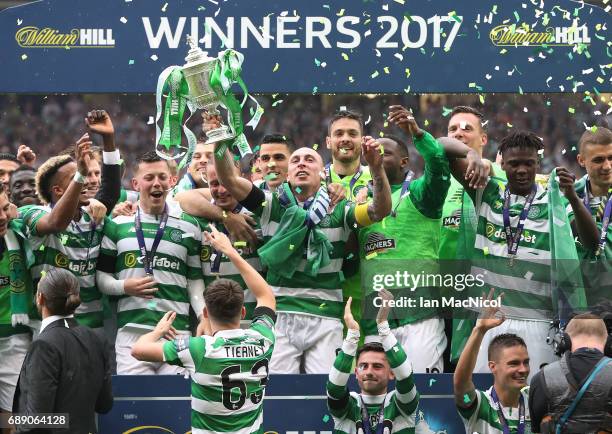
[{"x": 51, "y": 122}]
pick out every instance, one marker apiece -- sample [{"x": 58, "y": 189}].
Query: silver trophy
[{"x": 197, "y": 72}]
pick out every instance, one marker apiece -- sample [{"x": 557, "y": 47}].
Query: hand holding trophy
[{"x": 202, "y": 83}]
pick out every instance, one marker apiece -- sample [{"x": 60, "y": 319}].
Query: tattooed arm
[{"x": 380, "y": 207}]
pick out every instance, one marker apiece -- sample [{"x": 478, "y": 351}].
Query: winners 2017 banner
[{"x": 388, "y": 46}]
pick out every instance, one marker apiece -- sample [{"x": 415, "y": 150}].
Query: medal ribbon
[
  {"x": 512, "y": 240},
  {"x": 380, "y": 418},
  {"x": 148, "y": 258},
  {"x": 605, "y": 220},
  {"x": 352, "y": 182},
  {"x": 405, "y": 189},
  {"x": 502, "y": 419}
]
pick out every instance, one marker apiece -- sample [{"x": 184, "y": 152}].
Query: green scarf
[
  {"x": 462, "y": 327},
  {"x": 20, "y": 259},
  {"x": 283, "y": 253},
  {"x": 566, "y": 277}
]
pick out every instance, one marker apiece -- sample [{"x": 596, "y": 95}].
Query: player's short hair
[
  {"x": 521, "y": 139},
  {"x": 150, "y": 157},
  {"x": 224, "y": 299},
  {"x": 279, "y": 138},
  {"x": 602, "y": 136},
  {"x": 345, "y": 114},
  {"x": 587, "y": 324},
  {"x": 505, "y": 340},
  {"x": 23, "y": 168},
  {"x": 400, "y": 143},
  {"x": 46, "y": 173},
  {"x": 470, "y": 110},
  {"x": 9, "y": 157},
  {"x": 375, "y": 347}
]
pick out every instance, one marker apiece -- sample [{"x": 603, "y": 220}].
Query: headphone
[{"x": 562, "y": 342}]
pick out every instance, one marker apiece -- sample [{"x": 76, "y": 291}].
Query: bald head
[
  {"x": 305, "y": 168},
  {"x": 305, "y": 150}
]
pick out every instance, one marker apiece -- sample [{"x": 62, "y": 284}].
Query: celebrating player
[
  {"x": 229, "y": 367},
  {"x": 373, "y": 409}
]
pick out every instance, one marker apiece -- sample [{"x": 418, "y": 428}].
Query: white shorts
[
  {"x": 13, "y": 350},
  {"x": 128, "y": 365},
  {"x": 424, "y": 343},
  {"x": 534, "y": 334},
  {"x": 313, "y": 338}
]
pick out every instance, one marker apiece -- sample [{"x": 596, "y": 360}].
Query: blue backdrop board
[
  {"x": 294, "y": 404},
  {"x": 315, "y": 46}
]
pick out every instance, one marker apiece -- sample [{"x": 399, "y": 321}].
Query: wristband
[
  {"x": 78, "y": 178},
  {"x": 349, "y": 345},
  {"x": 111, "y": 157},
  {"x": 384, "y": 329}
]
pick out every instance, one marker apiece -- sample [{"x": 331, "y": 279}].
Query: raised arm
[
  {"x": 237, "y": 186},
  {"x": 149, "y": 347},
  {"x": 26, "y": 156},
  {"x": 407, "y": 397},
  {"x": 63, "y": 212},
  {"x": 338, "y": 397},
  {"x": 466, "y": 165},
  {"x": 99, "y": 122},
  {"x": 464, "y": 389},
  {"x": 583, "y": 222},
  {"x": 253, "y": 280},
  {"x": 429, "y": 194},
  {"x": 380, "y": 207}
]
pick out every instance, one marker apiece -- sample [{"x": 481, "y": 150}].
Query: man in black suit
[{"x": 67, "y": 369}]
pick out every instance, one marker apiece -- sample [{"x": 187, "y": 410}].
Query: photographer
[{"x": 554, "y": 391}]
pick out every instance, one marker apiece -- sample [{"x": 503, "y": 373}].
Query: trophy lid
[{"x": 195, "y": 54}]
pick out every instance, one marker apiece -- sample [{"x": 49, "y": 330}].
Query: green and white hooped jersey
[
  {"x": 596, "y": 207},
  {"x": 399, "y": 406},
  {"x": 526, "y": 280},
  {"x": 176, "y": 266},
  {"x": 229, "y": 373},
  {"x": 482, "y": 418},
  {"x": 75, "y": 249},
  {"x": 226, "y": 269},
  {"x": 320, "y": 295},
  {"x": 6, "y": 327}
]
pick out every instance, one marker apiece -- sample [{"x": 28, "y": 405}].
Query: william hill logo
[
  {"x": 47, "y": 37},
  {"x": 512, "y": 35}
]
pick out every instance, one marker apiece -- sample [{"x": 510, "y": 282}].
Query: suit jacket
[{"x": 66, "y": 370}]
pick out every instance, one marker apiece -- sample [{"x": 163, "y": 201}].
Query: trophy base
[{"x": 221, "y": 134}]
